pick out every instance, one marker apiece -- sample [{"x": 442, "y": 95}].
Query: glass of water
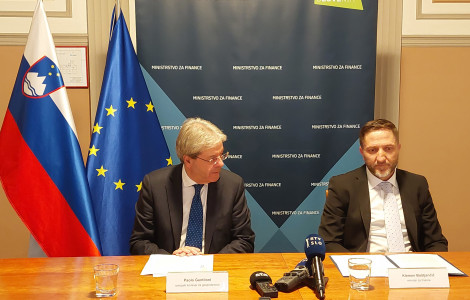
[
  {"x": 106, "y": 279},
  {"x": 359, "y": 273}
]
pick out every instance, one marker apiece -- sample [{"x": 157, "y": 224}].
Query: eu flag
[{"x": 127, "y": 142}]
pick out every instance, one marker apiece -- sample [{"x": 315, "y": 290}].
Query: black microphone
[
  {"x": 263, "y": 284},
  {"x": 315, "y": 251},
  {"x": 293, "y": 279}
]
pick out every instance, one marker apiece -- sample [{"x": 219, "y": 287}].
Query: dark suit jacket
[
  {"x": 159, "y": 214},
  {"x": 345, "y": 222}
]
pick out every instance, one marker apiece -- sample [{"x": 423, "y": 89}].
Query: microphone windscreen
[
  {"x": 314, "y": 246},
  {"x": 259, "y": 276}
]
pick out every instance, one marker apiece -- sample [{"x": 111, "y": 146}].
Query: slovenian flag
[
  {"x": 41, "y": 165},
  {"x": 127, "y": 142}
]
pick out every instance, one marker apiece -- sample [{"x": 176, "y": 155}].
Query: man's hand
[{"x": 187, "y": 251}]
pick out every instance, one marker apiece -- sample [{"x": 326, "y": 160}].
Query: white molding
[
  {"x": 70, "y": 18},
  {"x": 59, "y": 39},
  {"x": 435, "y": 41},
  {"x": 25, "y": 8},
  {"x": 427, "y": 9},
  {"x": 424, "y": 17}
]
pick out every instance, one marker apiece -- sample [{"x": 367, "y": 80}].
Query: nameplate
[
  {"x": 418, "y": 278},
  {"x": 197, "y": 282}
]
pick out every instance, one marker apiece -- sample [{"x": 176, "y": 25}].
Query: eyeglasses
[{"x": 214, "y": 160}]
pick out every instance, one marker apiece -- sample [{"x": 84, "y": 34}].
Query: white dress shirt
[
  {"x": 377, "y": 235},
  {"x": 188, "y": 194}
]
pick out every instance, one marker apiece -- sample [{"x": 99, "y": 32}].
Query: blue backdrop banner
[{"x": 289, "y": 82}]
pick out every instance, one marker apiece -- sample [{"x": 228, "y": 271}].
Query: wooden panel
[
  {"x": 13, "y": 234},
  {"x": 434, "y": 127}
]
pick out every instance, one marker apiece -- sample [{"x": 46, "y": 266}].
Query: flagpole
[{"x": 118, "y": 10}]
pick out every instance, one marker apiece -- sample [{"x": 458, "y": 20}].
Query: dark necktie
[
  {"x": 392, "y": 219},
  {"x": 194, "y": 232}
]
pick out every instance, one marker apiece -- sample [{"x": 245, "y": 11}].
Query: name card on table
[
  {"x": 197, "y": 282},
  {"x": 418, "y": 278}
]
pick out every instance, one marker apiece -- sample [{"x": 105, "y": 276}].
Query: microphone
[
  {"x": 293, "y": 279},
  {"x": 315, "y": 251},
  {"x": 263, "y": 284}
]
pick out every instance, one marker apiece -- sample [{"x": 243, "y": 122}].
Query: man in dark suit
[
  {"x": 163, "y": 211},
  {"x": 354, "y": 217}
]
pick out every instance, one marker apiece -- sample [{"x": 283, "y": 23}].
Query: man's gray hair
[{"x": 197, "y": 135}]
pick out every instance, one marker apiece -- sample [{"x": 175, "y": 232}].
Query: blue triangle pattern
[
  {"x": 298, "y": 227},
  {"x": 269, "y": 238}
]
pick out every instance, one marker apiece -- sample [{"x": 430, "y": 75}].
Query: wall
[
  {"x": 434, "y": 131},
  {"x": 13, "y": 234}
]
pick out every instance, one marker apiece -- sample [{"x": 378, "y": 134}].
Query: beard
[
  {"x": 382, "y": 174},
  {"x": 387, "y": 173}
]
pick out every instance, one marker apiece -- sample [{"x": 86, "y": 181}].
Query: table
[{"x": 72, "y": 278}]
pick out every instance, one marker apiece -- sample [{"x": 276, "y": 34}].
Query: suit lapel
[
  {"x": 211, "y": 214},
  {"x": 175, "y": 203},
  {"x": 408, "y": 213},
  {"x": 364, "y": 198}
]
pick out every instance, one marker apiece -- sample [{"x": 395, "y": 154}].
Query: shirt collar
[
  {"x": 374, "y": 181},
  {"x": 187, "y": 182}
]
